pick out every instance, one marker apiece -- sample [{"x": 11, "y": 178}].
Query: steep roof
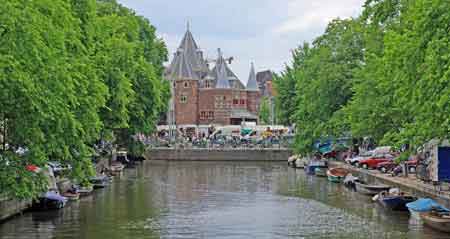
[
  {"x": 193, "y": 53},
  {"x": 191, "y": 58},
  {"x": 252, "y": 85},
  {"x": 181, "y": 67},
  {"x": 222, "y": 80},
  {"x": 230, "y": 73},
  {"x": 221, "y": 65}
]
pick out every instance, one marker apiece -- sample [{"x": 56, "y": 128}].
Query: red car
[
  {"x": 386, "y": 167},
  {"x": 373, "y": 162}
]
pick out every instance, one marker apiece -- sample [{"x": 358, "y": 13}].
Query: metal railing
[{"x": 229, "y": 143}]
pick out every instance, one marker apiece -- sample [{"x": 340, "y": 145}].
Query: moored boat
[
  {"x": 300, "y": 163},
  {"x": 99, "y": 182},
  {"x": 424, "y": 205},
  {"x": 320, "y": 171},
  {"x": 337, "y": 175},
  {"x": 85, "y": 191},
  {"x": 370, "y": 189},
  {"x": 291, "y": 160},
  {"x": 117, "y": 167},
  {"x": 49, "y": 201},
  {"x": 71, "y": 196},
  {"x": 437, "y": 220},
  {"x": 395, "y": 200},
  {"x": 312, "y": 165}
]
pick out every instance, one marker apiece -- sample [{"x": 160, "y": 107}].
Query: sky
[{"x": 259, "y": 31}]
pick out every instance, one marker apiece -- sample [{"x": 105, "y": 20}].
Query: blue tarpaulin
[{"x": 425, "y": 205}]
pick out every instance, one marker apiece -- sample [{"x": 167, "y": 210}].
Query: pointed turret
[
  {"x": 221, "y": 72},
  {"x": 192, "y": 51},
  {"x": 192, "y": 55},
  {"x": 181, "y": 68},
  {"x": 252, "y": 85}
]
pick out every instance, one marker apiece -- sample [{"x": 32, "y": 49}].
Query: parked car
[
  {"x": 373, "y": 162},
  {"x": 384, "y": 151},
  {"x": 388, "y": 166},
  {"x": 356, "y": 159}
]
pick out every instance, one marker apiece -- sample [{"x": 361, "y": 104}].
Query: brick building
[{"x": 205, "y": 95}]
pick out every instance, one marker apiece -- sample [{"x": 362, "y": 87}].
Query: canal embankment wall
[
  {"x": 408, "y": 184},
  {"x": 220, "y": 154},
  {"x": 11, "y": 207}
]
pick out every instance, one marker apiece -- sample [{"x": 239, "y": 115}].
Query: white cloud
[
  {"x": 305, "y": 15},
  {"x": 262, "y": 31}
]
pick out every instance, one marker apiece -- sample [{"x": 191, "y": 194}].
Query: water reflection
[{"x": 218, "y": 200}]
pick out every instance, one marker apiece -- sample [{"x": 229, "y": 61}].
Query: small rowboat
[
  {"x": 117, "y": 167},
  {"x": 337, "y": 175},
  {"x": 85, "y": 191},
  {"x": 71, "y": 196},
  {"x": 312, "y": 165},
  {"x": 370, "y": 189},
  {"x": 438, "y": 221},
  {"x": 99, "y": 182},
  {"x": 395, "y": 202},
  {"x": 320, "y": 172}
]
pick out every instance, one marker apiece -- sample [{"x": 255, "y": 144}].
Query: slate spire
[
  {"x": 252, "y": 85},
  {"x": 221, "y": 72}
]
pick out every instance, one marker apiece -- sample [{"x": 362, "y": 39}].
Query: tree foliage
[
  {"x": 264, "y": 111},
  {"x": 384, "y": 74},
  {"x": 71, "y": 72}
]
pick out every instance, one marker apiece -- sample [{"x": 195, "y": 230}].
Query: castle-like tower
[{"x": 208, "y": 96}]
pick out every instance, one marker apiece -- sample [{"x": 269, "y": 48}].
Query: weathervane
[{"x": 220, "y": 55}]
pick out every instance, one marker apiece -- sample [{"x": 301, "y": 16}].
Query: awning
[{"x": 242, "y": 114}]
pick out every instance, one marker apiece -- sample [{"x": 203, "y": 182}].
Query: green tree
[
  {"x": 71, "y": 73},
  {"x": 264, "y": 111},
  {"x": 323, "y": 75}
]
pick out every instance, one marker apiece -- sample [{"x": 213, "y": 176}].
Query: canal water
[{"x": 218, "y": 200}]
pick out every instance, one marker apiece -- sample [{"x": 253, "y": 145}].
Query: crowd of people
[{"x": 217, "y": 138}]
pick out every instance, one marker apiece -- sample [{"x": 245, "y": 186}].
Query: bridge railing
[{"x": 270, "y": 143}]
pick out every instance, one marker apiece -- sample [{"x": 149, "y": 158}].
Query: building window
[
  {"x": 203, "y": 115},
  {"x": 186, "y": 84},
  {"x": 235, "y": 102},
  {"x": 183, "y": 99},
  {"x": 207, "y": 84},
  {"x": 211, "y": 115},
  {"x": 242, "y": 102},
  {"x": 219, "y": 102}
]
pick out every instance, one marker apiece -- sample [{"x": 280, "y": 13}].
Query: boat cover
[
  {"x": 54, "y": 196},
  {"x": 425, "y": 205}
]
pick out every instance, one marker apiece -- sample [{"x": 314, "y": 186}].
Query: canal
[{"x": 161, "y": 199}]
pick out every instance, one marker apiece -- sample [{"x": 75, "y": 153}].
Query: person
[{"x": 355, "y": 147}]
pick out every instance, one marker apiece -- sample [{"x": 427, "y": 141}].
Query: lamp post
[{"x": 272, "y": 110}]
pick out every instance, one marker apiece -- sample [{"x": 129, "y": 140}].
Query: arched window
[{"x": 183, "y": 99}]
